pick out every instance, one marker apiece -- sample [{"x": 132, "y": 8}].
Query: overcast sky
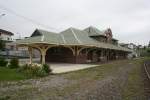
[{"x": 128, "y": 19}]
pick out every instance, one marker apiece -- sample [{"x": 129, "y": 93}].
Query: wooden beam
[{"x": 30, "y": 54}]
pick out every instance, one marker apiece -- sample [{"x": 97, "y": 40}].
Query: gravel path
[
  {"x": 58, "y": 87},
  {"x": 106, "y": 89}
]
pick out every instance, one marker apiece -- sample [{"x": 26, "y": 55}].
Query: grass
[
  {"x": 134, "y": 88},
  {"x": 7, "y": 74},
  {"x": 84, "y": 77},
  {"x": 96, "y": 73}
]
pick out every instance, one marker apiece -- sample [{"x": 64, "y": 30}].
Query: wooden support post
[
  {"x": 102, "y": 53},
  {"x": 43, "y": 53},
  {"x": 43, "y": 49},
  {"x": 30, "y": 54},
  {"x": 108, "y": 54},
  {"x": 115, "y": 55}
]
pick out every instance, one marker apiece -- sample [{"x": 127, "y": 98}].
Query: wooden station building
[{"x": 75, "y": 46}]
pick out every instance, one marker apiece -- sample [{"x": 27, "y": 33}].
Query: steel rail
[{"x": 145, "y": 68}]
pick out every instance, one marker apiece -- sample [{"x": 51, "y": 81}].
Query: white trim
[
  {"x": 42, "y": 38},
  {"x": 76, "y": 36},
  {"x": 63, "y": 38}
]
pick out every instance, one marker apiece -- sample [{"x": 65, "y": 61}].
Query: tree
[
  {"x": 148, "y": 50},
  {"x": 2, "y": 45},
  {"x": 144, "y": 48}
]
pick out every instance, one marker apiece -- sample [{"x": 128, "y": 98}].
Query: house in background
[
  {"x": 133, "y": 47},
  {"x": 11, "y": 50},
  {"x": 6, "y": 35}
]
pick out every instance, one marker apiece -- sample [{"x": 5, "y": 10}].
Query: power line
[{"x": 26, "y": 18}]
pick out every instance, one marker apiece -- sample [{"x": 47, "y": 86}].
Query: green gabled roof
[
  {"x": 92, "y": 31},
  {"x": 78, "y": 37},
  {"x": 30, "y": 40},
  {"x": 51, "y": 37},
  {"x": 41, "y": 36},
  {"x": 71, "y": 36}
]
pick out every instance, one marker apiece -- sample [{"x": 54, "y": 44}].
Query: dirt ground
[{"x": 118, "y": 80}]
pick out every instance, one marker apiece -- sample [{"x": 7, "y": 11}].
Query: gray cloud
[{"x": 129, "y": 19}]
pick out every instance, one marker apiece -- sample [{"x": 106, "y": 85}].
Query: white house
[{"x": 6, "y": 35}]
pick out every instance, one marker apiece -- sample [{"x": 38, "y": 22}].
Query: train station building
[{"x": 75, "y": 46}]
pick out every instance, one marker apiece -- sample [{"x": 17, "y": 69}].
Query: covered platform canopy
[{"x": 74, "y": 39}]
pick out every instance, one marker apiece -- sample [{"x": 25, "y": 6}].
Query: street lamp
[{"x": 2, "y": 15}]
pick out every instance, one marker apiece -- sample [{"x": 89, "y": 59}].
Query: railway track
[
  {"x": 146, "y": 79},
  {"x": 147, "y": 69}
]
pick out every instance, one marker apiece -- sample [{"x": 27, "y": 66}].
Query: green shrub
[
  {"x": 148, "y": 50},
  {"x": 3, "y": 62},
  {"x": 41, "y": 73},
  {"x": 35, "y": 70},
  {"x": 22, "y": 68},
  {"x": 5, "y": 98},
  {"x": 47, "y": 68},
  {"x": 14, "y": 63}
]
